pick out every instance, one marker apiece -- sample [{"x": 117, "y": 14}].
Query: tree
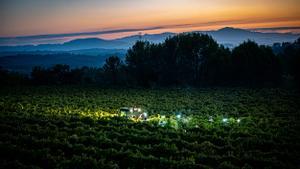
[
  {"x": 290, "y": 57},
  {"x": 189, "y": 59},
  {"x": 112, "y": 69},
  {"x": 254, "y": 64},
  {"x": 40, "y": 75},
  {"x": 59, "y": 73},
  {"x": 184, "y": 59},
  {"x": 142, "y": 62},
  {"x": 8, "y": 78}
]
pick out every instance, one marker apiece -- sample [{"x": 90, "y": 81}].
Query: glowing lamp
[
  {"x": 210, "y": 119},
  {"x": 224, "y": 120}
]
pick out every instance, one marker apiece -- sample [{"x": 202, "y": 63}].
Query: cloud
[
  {"x": 276, "y": 28},
  {"x": 34, "y": 39}
]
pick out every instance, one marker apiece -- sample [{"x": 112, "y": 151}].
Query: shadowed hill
[{"x": 229, "y": 37}]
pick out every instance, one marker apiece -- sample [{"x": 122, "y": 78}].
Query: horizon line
[{"x": 127, "y": 30}]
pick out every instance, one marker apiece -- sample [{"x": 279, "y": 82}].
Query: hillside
[{"x": 229, "y": 37}]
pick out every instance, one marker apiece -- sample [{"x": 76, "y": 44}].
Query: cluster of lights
[
  {"x": 135, "y": 110},
  {"x": 180, "y": 117},
  {"x": 224, "y": 120}
]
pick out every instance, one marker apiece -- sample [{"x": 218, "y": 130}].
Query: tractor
[{"x": 133, "y": 113}]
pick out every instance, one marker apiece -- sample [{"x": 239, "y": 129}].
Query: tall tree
[
  {"x": 112, "y": 68},
  {"x": 254, "y": 64},
  {"x": 143, "y": 62},
  {"x": 189, "y": 58}
]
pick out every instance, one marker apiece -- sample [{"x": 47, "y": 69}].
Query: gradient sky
[{"x": 35, "y": 17}]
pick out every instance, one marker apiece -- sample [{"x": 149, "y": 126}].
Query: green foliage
[
  {"x": 184, "y": 60},
  {"x": 67, "y": 127},
  {"x": 8, "y": 78},
  {"x": 254, "y": 64},
  {"x": 193, "y": 59},
  {"x": 113, "y": 70},
  {"x": 290, "y": 58}
]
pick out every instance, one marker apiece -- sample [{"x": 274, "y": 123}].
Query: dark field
[{"x": 80, "y": 127}]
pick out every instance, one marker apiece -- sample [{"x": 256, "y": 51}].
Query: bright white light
[
  {"x": 225, "y": 120},
  {"x": 139, "y": 109},
  {"x": 162, "y": 123},
  {"x": 178, "y": 116},
  {"x": 131, "y": 110},
  {"x": 238, "y": 120}
]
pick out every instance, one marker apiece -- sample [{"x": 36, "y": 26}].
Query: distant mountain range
[
  {"x": 88, "y": 43},
  {"x": 229, "y": 37},
  {"x": 24, "y": 61},
  {"x": 92, "y": 52},
  {"x": 232, "y": 36}
]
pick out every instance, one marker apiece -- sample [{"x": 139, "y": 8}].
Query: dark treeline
[{"x": 188, "y": 59}]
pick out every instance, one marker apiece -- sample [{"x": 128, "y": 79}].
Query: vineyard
[{"x": 81, "y": 127}]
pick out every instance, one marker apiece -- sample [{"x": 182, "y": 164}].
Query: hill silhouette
[{"x": 227, "y": 36}]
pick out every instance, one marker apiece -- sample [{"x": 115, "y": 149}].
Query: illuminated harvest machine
[{"x": 134, "y": 113}]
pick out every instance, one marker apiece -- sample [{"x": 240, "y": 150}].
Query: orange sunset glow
[{"x": 33, "y": 17}]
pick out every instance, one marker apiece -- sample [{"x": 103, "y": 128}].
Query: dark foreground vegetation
[
  {"x": 184, "y": 60},
  {"x": 60, "y": 117},
  {"x": 79, "y": 127}
]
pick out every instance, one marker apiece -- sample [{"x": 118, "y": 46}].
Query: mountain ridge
[{"x": 227, "y": 36}]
